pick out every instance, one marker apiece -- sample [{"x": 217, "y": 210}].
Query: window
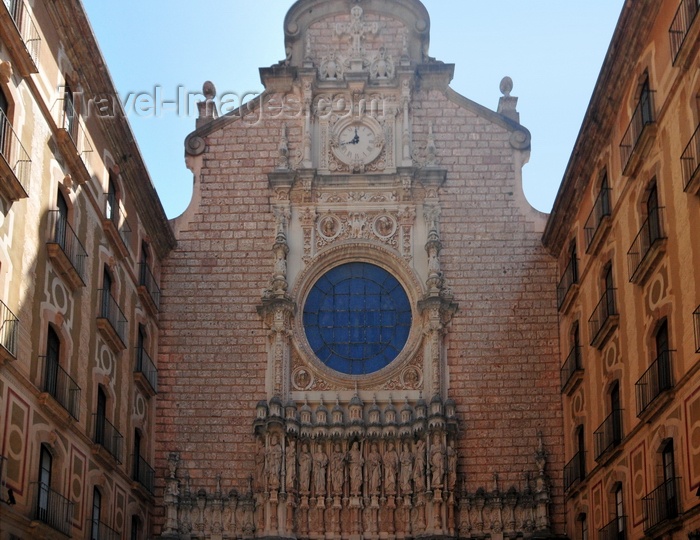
[
  {"x": 70, "y": 122},
  {"x": 645, "y": 102},
  {"x": 106, "y": 293},
  {"x": 112, "y": 208},
  {"x": 140, "y": 347},
  {"x": 573, "y": 261},
  {"x": 45, "y": 465},
  {"x": 616, "y": 410},
  {"x": 663, "y": 357},
  {"x": 604, "y": 195},
  {"x": 100, "y": 416},
  {"x": 61, "y": 220},
  {"x": 669, "y": 466},
  {"x": 581, "y": 450},
  {"x": 619, "y": 513},
  {"x": 583, "y": 520},
  {"x": 4, "y": 105},
  {"x": 135, "y": 528},
  {"x": 96, "y": 511},
  {"x": 652, "y": 210},
  {"x": 609, "y": 291},
  {"x": 137, "y": 454},
  {"x": 53, "y": 355}
]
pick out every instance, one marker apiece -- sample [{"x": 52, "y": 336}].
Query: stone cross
[{"x": 356, "y": 29}]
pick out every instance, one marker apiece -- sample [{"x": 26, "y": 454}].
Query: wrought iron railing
[
  {"x": 614, "y": 530},
  {"x": 662, "y": 504},
  {"x": 642, "y": 117},
  {"x": 690, "y": 159},
  {"x": 145, "y": 365},
  {"x": 606, "y": 308},
  {"x": 101, "y": 531},
  {"x": 601, "y": 209},
  {"x": 9, "y": 325},
  {"x": 656, "y": 380},
  {"x": 575, "y": 470},
  {"x": 571, "y": 366},
  {"x": 26, "y": 27},
  {"x": 71, "y": 122},
  {"x": 148, "y": 280},
  {"x": 107, "y": 436},
  {"x": 651, "y": 232},
  {"x": 609, "y": 433},
  {"x": 117, "y": 217},
  {"x": 52, "y": 508},
  {"x": 568, "y": 279},
  {"x": 14, "y": 153},
  {"x": 110, "y": 310},
  {"x": 143, "y": 473},
  {"x": 685, "y": 15},
  {"x": 64, "y": 235},
  {"x": 60, "y": 386},
  {"x": 696, "y": 321}
]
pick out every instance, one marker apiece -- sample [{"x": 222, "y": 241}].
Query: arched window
[
  {"x": 573, "y": 261},
  {"x": 583, "y": 526},
  {"x": 652, "y": 211},
  {"x": 137, "y": 455},
  {"x": 61, "y": 220},
  {"x": 45, "y": 465},
  {"x": 70, "y": 117},
  {"x": 663, "y": 357},
  {"x": 96, "y": 513},
  {"x": 112, "y": 208},
  {"x": 107, "y": 285},
  {"x": 609, "y": 285},
  {"x": 100, "y": 416},
  {"x": 581, "y": 450},
  {"x": 669, "y": 466},
  {"x": 616, "y": 410},
  {"x": 51, "y": 367},
  {"x": 619, "y": 512}
]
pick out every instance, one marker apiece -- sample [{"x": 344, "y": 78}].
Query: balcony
[
  {"x": 661, "y": 506},
  {"x": 19, "y": 33},
  {"x": 143, "y": 475},
  {"x": 567, "y": 287},
  {"x": 598, "y": 222},
  {"x": 648, "y": 247},
  {"x": 148, "y": 290},
  {"x": 696, "y": 324},
  {"x": 639, "y": 134},
  {"x": 67, "y": 254},
  {"x": 111, "y": 321},
  {"x": 15, "y": 165},
  {"x": 8, "y": 334},
  {"x": 575, "y": 470},
  {"x": 145, "y": 373},
  {"x": 614, "y": 530},
  {"x": 655, "y": 382},
  {"x": 100, "y": 531},
  {"x": 59, "y": 390},
  {"x": 52, "y": 509},
  {"x": 117, "y": 227},
  {"x": 608, "y": 435},
  {"x": 683, "y": 33},
  {"x": 73, "y": 142},
  {"x": 108, "y": 441},
  {"x": 571, "y": 372},
  {"x": 604, "y": 319},
  {"x": 690, "y": 163}
]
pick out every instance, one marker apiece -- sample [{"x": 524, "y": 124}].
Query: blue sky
[{"x": 552, "y": 49}]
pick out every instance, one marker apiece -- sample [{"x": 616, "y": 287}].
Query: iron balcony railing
[
  {"x": 601, "y": 209},
  {"x": 148, "y": 280},
  {"x": 116, "y": 215},
  {"x": 614, "y": 530},
  {"x": 52, "y": 508},
  {"x": 9, "y": 325},
  {"x": 575, "y": 470},
  {"x": 145, "y": 366},
  {"x": 64, "y": 235},
  {"x": 655, "y": 381},
  {"x": 690, "y": 159},
  {"x": 101, "y": 531},
  {"x": 652, "y": 231},
  {"x": 568, "y": 279},
  {"x": 696, "y": 321},
  {"x": 25, "y": 26},
  {"x": 144, "y": 474},
  {"x": 609, "y": 433},
  {"x": 60, "y": 386},
  {"x": 685, "y": 15},
  {"x": 662, "y": 504},
  {"x": 605, "y": 309},
  {"x": 110, "y": 310},
  {"x": 571, "y": 366},
  {"x": 70, "y": 121},
  {"x": 107, "y": 436},
  {"x": 14, "y": 153},
  {"x": 642, "y": 117}
]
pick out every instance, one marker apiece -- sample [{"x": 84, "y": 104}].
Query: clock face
[{"x": 358, "y": 144}]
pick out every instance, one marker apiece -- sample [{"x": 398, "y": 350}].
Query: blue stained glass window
[{"x": 357, "y": 318}]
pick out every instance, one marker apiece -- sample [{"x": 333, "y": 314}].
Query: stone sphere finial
[
  {"x": 506, "y": 86},
  {"x": 209, "y": 90}
]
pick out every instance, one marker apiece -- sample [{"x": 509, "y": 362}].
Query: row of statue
[{"x": 366, "y": 468}]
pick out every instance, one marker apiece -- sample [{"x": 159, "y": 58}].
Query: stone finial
[
  {"x": 507, "y": 104},
  {"x": 207, "y": 108}
]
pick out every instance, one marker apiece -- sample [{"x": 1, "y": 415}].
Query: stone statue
[
  {"x": 374, "y": 470},
  {"x": 274, "y": 463},
  {"x": 260, "y": 466},
  {"x": 305, "y": 469},
  {"x": 291, "y": 466},
  {"x": 451, "y": 467},
  {"x": 437, "y": 462},
  {"x": 356, "y": 463},
  {"x": 419, "y": 467},
  {"x": 391, "y": 466},
  {"x": 337, "y": 470},
  {"x": 406, "y": 474},
  {"x": 320, "y": 460}
]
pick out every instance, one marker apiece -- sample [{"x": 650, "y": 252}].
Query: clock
[{"x": 357, "y": 142}]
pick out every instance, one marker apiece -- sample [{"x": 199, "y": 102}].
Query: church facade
[{"x": 359, "y": 326}]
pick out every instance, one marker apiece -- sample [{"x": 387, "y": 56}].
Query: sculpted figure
[
  {"x": 291, "y": 466},
  {"x": 320, "y": 460},
  {"x": 391, "y": 466},
  {"x": 419, "y": 467},
  {"x": 451, "y": 467},
  {"x": 406, "y": 474},
  {"x": 437, "y": 462},
  {"x": 304, "y": 469},
  {"x": 374, "y": 470},
  {"x": 260, "y": 467},
  {"x": 274, "y": 463},
  {"x": 356, "y": 463},
  {"x": 337, "y": 470}
]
